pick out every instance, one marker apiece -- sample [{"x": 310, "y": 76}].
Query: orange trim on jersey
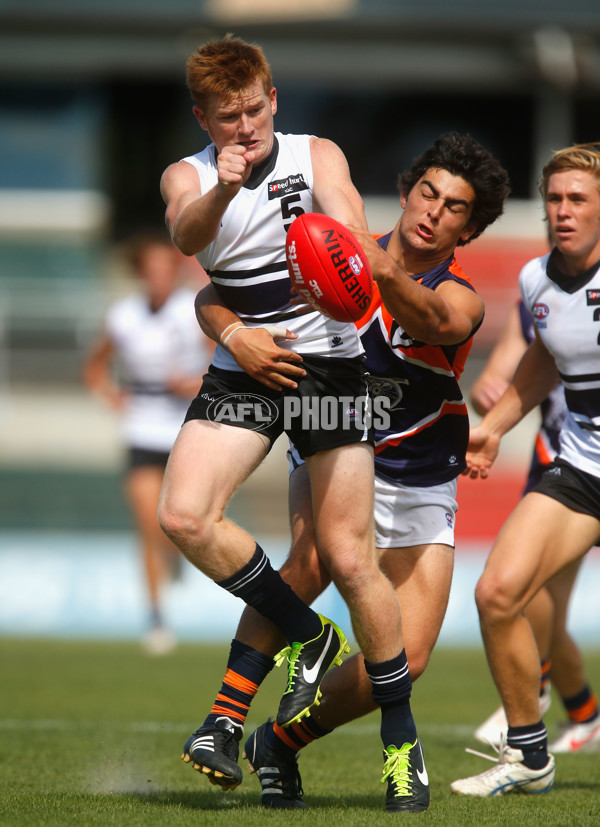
[
  {"x": 542, "y": 450},
  {"x": 585, "y": 711},
  {"x": 240, "y": 683},
  {"x": 458, "y": 271},
  {"x": 282, "y": 735},
  {"x": 431, "y": 355},
  {"x": 447, "y": 408}
]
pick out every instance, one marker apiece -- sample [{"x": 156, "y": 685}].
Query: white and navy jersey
[
  {"x": 566, "y": 313},
  {"x": 246, "y": 261},
  {"x": 151, "y": 347},
  {"x": 427, "y": 439},
  {"x": 553, "y": 411}
]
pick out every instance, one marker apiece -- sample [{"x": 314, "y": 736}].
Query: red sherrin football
[{"x": 328, "y": 267}]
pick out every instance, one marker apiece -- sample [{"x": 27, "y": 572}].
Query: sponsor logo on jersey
[
  {"x": 540, "y": 313},
  {"x": 592, "y": 297},
  {"x": 284, "y": 186},
  {"x": 449, "y": 520},
  {"x": 336, "y": 341}
]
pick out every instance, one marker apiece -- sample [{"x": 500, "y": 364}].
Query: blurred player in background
[
  {"x": 417, "y": 334},
  {"x": 554, "y": 525},
  {"x": 561, "y": 660},
  {"x": 231, "y": 205},
  {"x": 147, "y": 365}
]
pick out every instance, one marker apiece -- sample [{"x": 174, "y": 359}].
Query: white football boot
[
  {"x": 578, "y": 738},
  {"x": 507, "y": 776}
]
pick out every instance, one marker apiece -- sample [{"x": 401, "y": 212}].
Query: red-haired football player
[
  {"x": 231, "y": 205},
  {"x": 417, "y": 334}
]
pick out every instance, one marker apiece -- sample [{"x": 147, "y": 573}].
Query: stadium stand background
[{"x": 93, "y": 105}]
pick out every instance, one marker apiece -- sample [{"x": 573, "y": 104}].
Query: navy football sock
[
  {"x": 246, "y": 670},
  {"x": 532, "y": 740},
  {"x": 392, "y": 687},
  {"x": 260, "y": 586}
]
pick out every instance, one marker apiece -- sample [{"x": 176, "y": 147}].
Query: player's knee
[
  {"x": 182, "y": 527},
  {"x": 348, "y": 574},
  {"x": 494, "y": 599}
]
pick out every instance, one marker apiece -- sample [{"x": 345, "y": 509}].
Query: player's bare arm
[
  {"x": 534, "y": 378},
  {"x": 254, "y": 349},
  {"x": 98, "y": 375},
  {"x": 334, "y": 192},
  {"x": 443, "y": 316},
  {"x": 500, "y": 366},
  {"x": 193, "y": 218}
]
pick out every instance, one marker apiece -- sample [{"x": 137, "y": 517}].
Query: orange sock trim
[
  {"x": 546, "y": 667},
  {"x": 240, "y": 683},
  {"x": 229, "y": 712},
  {"x": 302, "y": 734},
  {"x": 281, "y": 734},
  {"x": 586, "y": 711}
]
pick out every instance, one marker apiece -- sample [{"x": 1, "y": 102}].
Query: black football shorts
[
  {"x": 329, "y": 408},
  {"x": 576, "y": 489}
]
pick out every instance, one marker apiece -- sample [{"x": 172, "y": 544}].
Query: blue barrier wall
[{"x": 91, "y": 585}]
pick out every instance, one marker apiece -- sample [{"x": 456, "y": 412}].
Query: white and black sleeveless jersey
[
  {"x": 151, "y": 347},
  {"x": 246, "y": 261},
  {"x": 566, "y": 313}
]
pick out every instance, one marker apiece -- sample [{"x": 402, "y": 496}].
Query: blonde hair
[
  {"x": 585, "y": 157},
  {"x": 226, "y": 67}
]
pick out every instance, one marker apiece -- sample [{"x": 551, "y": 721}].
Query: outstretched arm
[
  {"x": 444, "y": 316},
  {"x": 500, "y": 366},
  {"x": 535, "y": 377}
]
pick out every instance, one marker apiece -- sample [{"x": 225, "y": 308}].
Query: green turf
[{"x": 91, "y": 733}]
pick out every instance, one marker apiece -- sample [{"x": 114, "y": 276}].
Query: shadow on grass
[{"x": 221, "y": 802}]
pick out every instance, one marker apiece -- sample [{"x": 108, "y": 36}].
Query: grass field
[{"x": 91, "y": 734}]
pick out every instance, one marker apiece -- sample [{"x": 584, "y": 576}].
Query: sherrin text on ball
[{"x": 328, "y": 267}]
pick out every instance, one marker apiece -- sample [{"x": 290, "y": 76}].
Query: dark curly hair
[{"x": 462, "y": 155}]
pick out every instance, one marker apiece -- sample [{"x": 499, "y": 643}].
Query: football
[{"x": 328, "y": 267}]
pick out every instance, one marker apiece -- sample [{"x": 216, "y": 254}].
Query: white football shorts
[
  {"x": 408, "y": 516},
  {"x": 411, "y": 516}
]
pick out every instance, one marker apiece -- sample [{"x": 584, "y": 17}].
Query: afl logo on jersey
[{"x": 540, "y": 314}]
